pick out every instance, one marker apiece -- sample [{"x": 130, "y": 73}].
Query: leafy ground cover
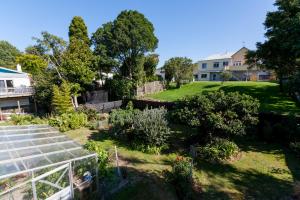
[
  {"x": 266, "y": 92},
  {"x": 265, "y": 171}
]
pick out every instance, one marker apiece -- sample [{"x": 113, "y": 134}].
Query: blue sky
[{"x": 192, "y": 28}]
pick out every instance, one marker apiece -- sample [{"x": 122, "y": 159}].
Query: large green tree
[
  {"x": 281, "y": 50},
  {"x": 122, "y": 44},
  {"x": 179, "y": 69},
  {"x": 8, "y": 54},
  {"x": 51, "y": 48},
  {"x": 32, "y": 64},
  {"x": 78, "y": 58}
]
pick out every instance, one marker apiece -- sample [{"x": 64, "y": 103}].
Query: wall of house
[
  {"x": 210, "y": 68},
  {"x": 22, "y": 81}
]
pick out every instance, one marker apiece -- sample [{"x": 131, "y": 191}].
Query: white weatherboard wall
[{"x": 19, "y": 80}]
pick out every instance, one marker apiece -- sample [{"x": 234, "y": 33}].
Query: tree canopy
[
  {"x": 281, "y": 50},
  {"x": 122, "y": 44},
  {"x": 150, "y": 63},
  {"x": 8, "y": 54},
  {"x": 78, "y": 58},
  {"x": 179, "y": 69},
  {"x": 32, "y": 64}
]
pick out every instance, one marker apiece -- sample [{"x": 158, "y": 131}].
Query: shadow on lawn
[
  {"x": 291, "y": 160},
  {"x": 251, "y": 184},
  {"x": 144, "y": 185}
]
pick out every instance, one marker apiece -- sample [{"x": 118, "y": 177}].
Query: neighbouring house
[
  {"x": 15, "y": 91},
  {"x": 210, "y": 68},
  {"x": 160, "y": 73}
]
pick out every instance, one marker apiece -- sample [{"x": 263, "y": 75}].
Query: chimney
[{"x": 19, "y": 68}]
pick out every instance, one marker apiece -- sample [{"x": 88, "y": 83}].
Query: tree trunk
[
  {"x": 75, "y": 101},
  {"x": 280, "y": 83}
]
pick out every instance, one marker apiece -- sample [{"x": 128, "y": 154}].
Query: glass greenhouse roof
[{"x": 27, "y": 148}]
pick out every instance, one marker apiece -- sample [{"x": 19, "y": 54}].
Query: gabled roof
[{"x": 240, "y": 50}]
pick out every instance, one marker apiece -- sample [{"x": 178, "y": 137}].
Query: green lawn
[
  {"x": 268, "y": 94},
  {"x": 265, "y": 171}
]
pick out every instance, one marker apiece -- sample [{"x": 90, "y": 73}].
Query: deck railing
[{"x": 16, "y": 91}]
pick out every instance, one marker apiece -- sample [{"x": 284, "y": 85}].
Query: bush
[
  {"x": 218, "y": 150},
  {"x": 122, "y": 120},
  {"x": 148, "y": 149},
  {"x": 218, "y": 113},
  {"x": 90, "y": 113},
  {"x": 181, "y": 177},
  {"x": 26, "y": 120},
  {"x": 69, "y": 121},
  {"x": 150, "y": 127},
  {"x": 103, "y": 157}
]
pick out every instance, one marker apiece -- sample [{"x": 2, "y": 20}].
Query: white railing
[{"x": 16, "y": 91}]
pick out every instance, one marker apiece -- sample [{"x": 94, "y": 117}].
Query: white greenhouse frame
[{"x": 29, "y": 148}]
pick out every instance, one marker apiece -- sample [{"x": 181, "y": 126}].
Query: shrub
[
  {"x": 148, "y": 149},
  {"x": 181, "y": 177},
  {"x": 122, "y": 120},
  {"x": 69, "y": 121},
  {"x": 218, "y": 150},
  {"x": 218, "y": 113},
  {"x": 26, "y": 119},
  {"x": 61, "y": 99},
  {"x": 90, "y": 113},
  {"x": 295, "y": 146},
  {"x": 103, "y": 157},
  {"x": 150, "y": 127}
]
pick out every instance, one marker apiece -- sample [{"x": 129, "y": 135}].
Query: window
[
  {"x": 9, "y": 84},
  {"x": 203, "y": 75},
  {"x": 204, "y": 65},
  {"x": 196, "y": 76},
  {"x": 216, "y": 65},
  {"x": 225, "y": 63},
  {"x": 237, "y": 63}
]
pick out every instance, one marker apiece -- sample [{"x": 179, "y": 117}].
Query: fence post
[{"x": 117, "y": 162}]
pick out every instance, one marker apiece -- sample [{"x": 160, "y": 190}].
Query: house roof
[
  {"x": 219, "y": 56},
  {"x": 7, "y": 70}
]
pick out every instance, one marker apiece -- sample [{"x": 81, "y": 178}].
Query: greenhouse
[{"x": 38, "y": 162}]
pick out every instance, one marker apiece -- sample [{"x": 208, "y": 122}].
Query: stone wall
[
  {"x": 98, "y": 96},
  {"x": 149, "y": 88},
  {"x": 104, "y": 107}
]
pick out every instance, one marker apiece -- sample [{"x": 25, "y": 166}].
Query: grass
[
  {"x": 265, "y": 171},
  {"x": 266, "y": 92}
]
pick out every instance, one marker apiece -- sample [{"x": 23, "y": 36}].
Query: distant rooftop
[{"x": 219, "y": 56}]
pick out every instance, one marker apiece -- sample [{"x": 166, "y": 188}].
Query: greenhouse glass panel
[{"x": 34, "y": 150}]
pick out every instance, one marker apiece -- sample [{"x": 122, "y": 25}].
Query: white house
[
  {"x": 210, "y": 68},
  {"x": 15, "y": 90}
]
